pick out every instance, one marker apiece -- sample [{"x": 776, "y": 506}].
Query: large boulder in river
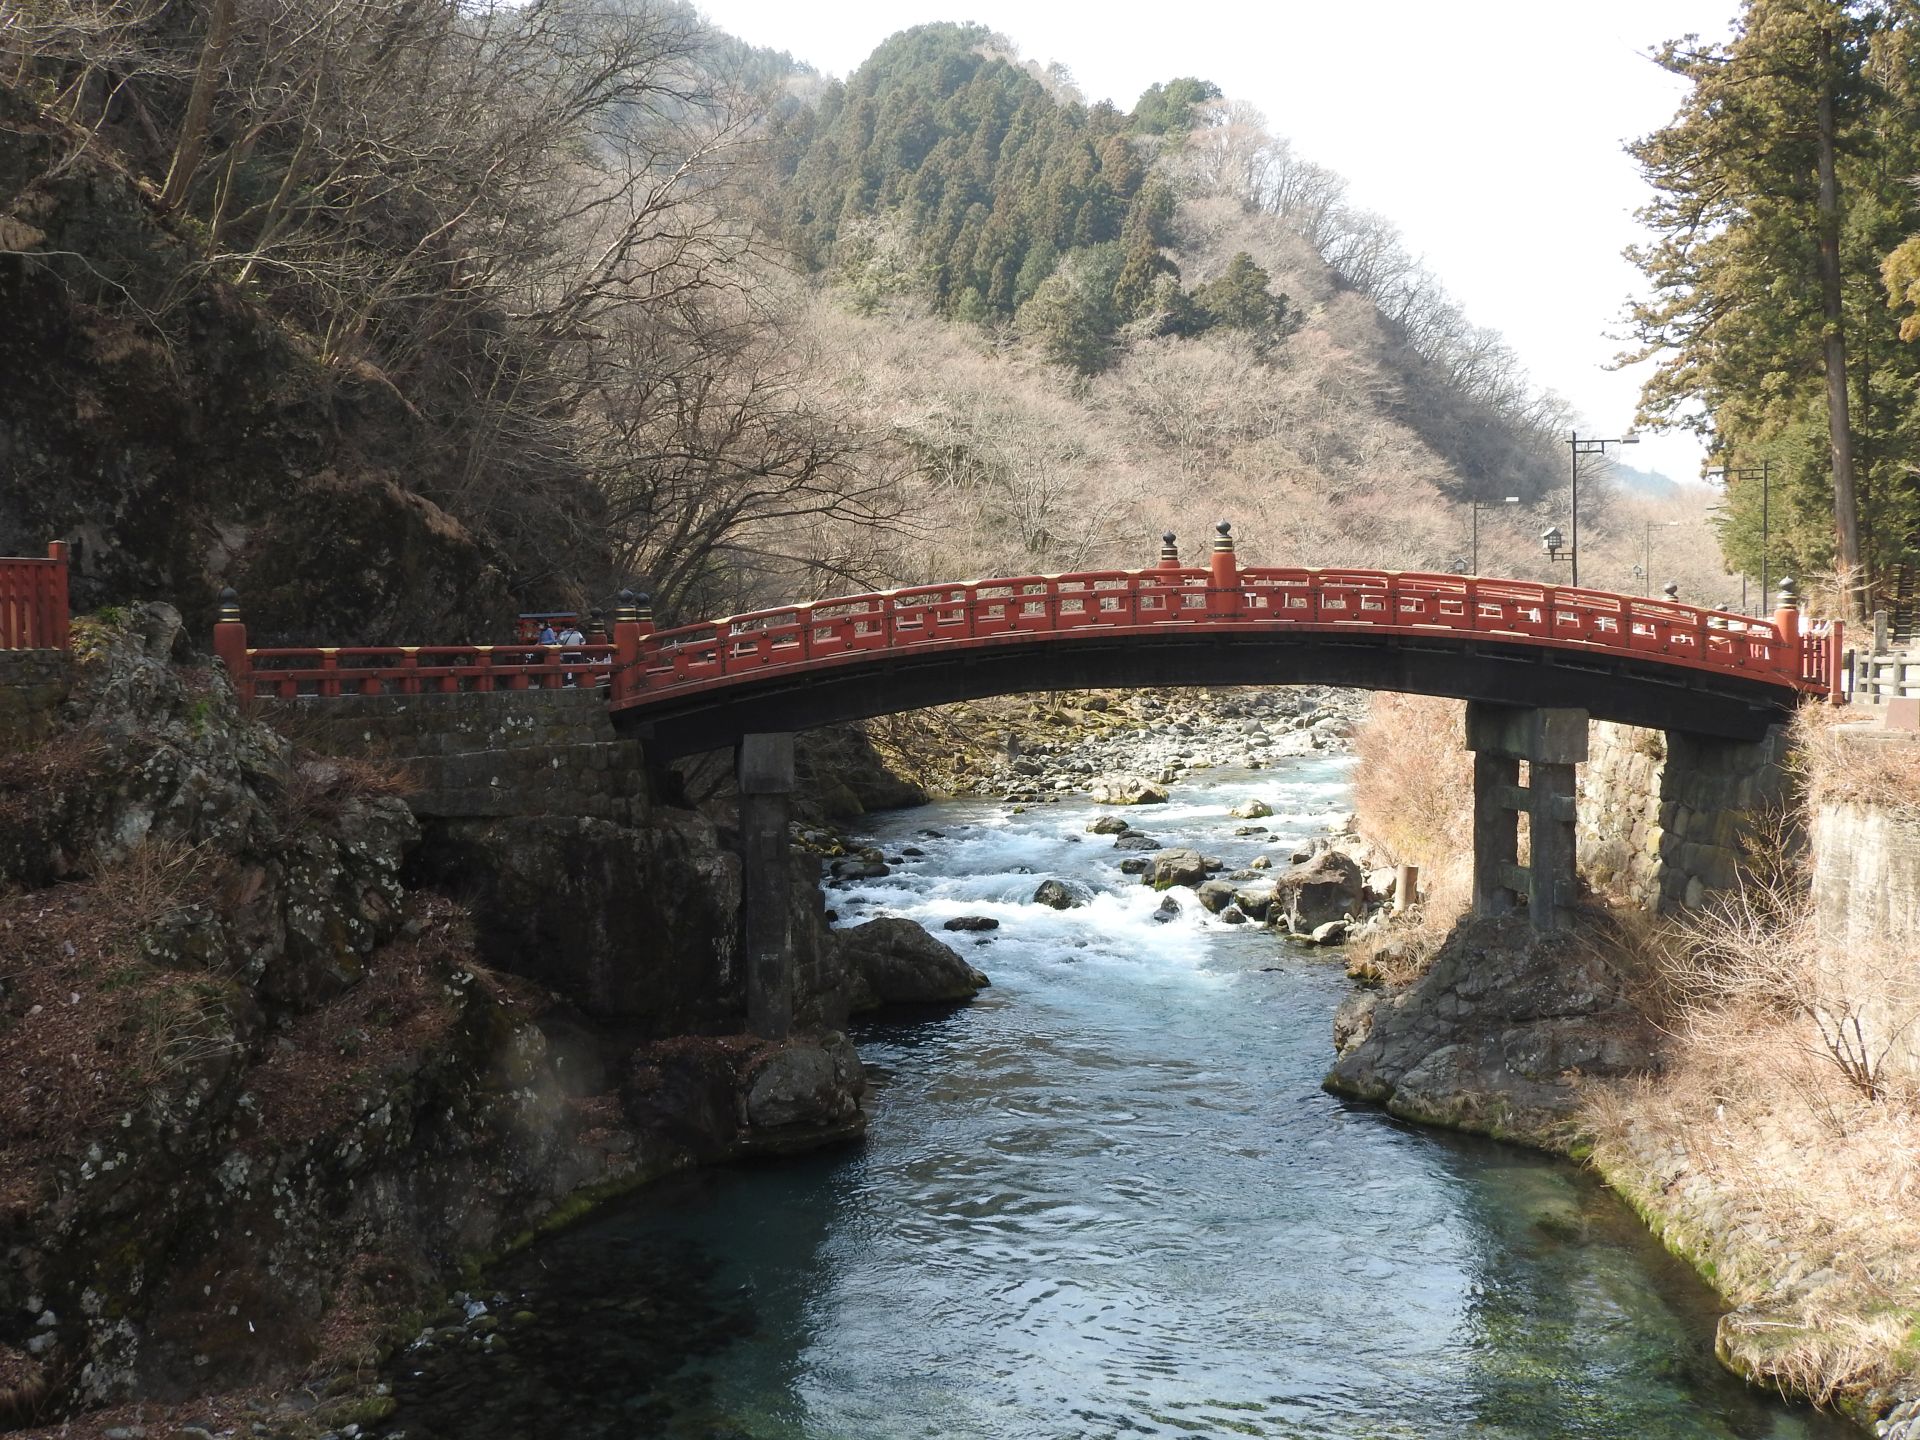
[
  {"x": 894, "y": 962},
  {"x": 1176, "y": 867},
  {"x": 1327, "y": 887},
  {"x": 1128, "y": 790},
  {"x": 1061, "y": 894},
  {"x": 1107, "y": 825},
  {"x": 1251, "y": 810}
]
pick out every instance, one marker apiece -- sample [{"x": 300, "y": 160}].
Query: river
[{"x": 1109, "y": 1198}]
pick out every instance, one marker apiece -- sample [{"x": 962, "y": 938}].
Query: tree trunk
[
  {"x": 193, "y": 129},
  {"x": 1846, "y": 509}
]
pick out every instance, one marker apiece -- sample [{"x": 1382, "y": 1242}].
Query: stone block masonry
[
  {"x": 33, "y": 684},
  {"x": 1667, "y": 818},
  {"x": 484, "y": 756}
]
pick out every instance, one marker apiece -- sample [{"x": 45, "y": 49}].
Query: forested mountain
[{"x": 943, "y": 168}]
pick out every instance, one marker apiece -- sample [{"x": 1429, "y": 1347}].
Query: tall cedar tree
[{"x": 1777, "y": 198}]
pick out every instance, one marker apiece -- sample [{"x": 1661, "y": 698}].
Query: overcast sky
[{"x": 1488, "y": 131}]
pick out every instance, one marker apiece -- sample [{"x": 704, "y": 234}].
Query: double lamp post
[{"x": 1550, "y": 540}]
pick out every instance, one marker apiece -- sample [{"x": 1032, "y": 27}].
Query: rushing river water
[{"x": 1107, "y": 1199}]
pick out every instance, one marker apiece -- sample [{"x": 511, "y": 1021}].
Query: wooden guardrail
[{"x": 33, "y": 601}]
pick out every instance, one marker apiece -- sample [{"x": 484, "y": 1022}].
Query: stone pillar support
[
  {"x": 1551, "y": 742},
  {"x": 764, "y": 767}
]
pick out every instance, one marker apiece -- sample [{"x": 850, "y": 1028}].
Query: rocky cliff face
[
  {"x": 265, "y": 1088},
  {"x": 184, "y": 440}
]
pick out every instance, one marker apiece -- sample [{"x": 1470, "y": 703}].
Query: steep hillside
[{"x": 1065, "y": 329}]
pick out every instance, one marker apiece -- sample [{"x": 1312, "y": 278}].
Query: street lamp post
[
  {"x": 1646, "y": 586},
  {"x": 1579, "y": 447},
  {"x": 1728, "y": 473},
  {"x": 1475, "y": 503}
]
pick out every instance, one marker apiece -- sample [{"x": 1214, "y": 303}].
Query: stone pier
[
  {"x": 1551, "y": 742},
  {"x": 764, "y": 768}
]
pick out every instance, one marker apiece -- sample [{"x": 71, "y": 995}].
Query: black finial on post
[
  {"x": 229, "y": 606},
  {"x": 1169, "y": 550},
  {"x": 625, "y": 611},
  {"x": 1671, "y": 589},
  {"x": 1223, "y": 535}
]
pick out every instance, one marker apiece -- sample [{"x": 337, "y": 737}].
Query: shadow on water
[{"x": 1108, "y": 1199}]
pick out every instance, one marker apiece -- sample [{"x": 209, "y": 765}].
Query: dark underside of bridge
[{"x": 1630, "y": 689}]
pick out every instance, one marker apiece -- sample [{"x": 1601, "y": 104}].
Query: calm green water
[{"x": 1108, "y": 1199}]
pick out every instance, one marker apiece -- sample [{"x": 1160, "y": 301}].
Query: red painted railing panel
[
  {"x": 33, "y": 601},
  {"x": 423, "y": 669}
]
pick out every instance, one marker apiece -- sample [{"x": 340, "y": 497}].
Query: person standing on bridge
[{"x": 571, "y": 636}]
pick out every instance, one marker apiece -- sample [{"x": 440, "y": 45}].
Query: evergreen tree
[
  {"x": 1778, "y": 196},
  {"x": 1168, "y": 109}
]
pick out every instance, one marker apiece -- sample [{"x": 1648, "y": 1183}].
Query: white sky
[{"x": 1488, "y": 131}]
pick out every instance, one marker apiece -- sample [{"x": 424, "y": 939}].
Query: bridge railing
[
  {"x": 33, "y": 601},
  {"x": 1141, "y": 600},
  {"x": 288, "y": 673}
]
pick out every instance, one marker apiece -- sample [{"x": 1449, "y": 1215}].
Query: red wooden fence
[{"x": 33, "y": 601}]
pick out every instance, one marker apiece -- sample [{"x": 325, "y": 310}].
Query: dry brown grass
[
  {"x": 88, "y": 1026},
  {"x": 1838, "y": 764},
  {"x": 1413, "y": 794},
  {"x": 1779, "y": 1148}
]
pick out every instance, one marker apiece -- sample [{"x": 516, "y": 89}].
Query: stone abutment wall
[
  {"x": 540, "y": 819},
  {"x": 33, "y": 683},
  {"x": 1666, "y": 818}
]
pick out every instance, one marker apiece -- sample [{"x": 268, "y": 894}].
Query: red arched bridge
[
  {"x": 1534, "y": 662},
  {"x": 698, "y": 687}
]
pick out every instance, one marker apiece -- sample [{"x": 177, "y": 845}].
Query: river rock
[
  {"x": 856, "y": 868},
  {"x": 1381, "y": 883},
  {"x": 972, "y": 922},
  {"x": 1251, "y": 810},
  {"x": 1134, "y": 865},
  {"x": 1496, "y": 1035},
  {"x": 1334, "y": 932},
  {"x": 1107, "y": 825},
  {"x": 1061, "y": 894},
  {"x": 1242, "y": 830},
  {"x": 1132, "y": 840},
  {"x": 891, "y": 961},
  {"x": 1260, "y": 862},
  {"x": 805, "y": 1082},
  {"x": 1216, "y": 895},
  {"x": 1254, "y": 900},
  {"x": 1232, "y": 915},
  {"x": 1176, "y": 867},
  {"x": 1169, "y": 910},
  {"x": 1126, "y": 789},
  {"x": 1327, "y": 887}
]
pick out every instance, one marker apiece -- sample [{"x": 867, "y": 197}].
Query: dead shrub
[
  {"x": 323, "y": 786},
  {"x": 1839, "y": 762}
]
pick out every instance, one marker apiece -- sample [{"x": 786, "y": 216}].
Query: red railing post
[
  {"x": 58, "y": 609},
  {"x": 1223, "y": 588},
  {"x": 230, "y": 644},
  {"x": 1786, "y": 619},
  {"x": 632, "y": 625}
]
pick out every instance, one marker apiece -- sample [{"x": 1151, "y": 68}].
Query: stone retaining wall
[
  {"x": 417, "y": 725},
  {"x": 33, "y": 683},
  {"x": 485, "y": 756},
  {"x": 1666, "y": 818}
]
